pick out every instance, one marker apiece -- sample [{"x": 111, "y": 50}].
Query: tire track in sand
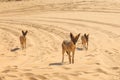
[{"x": 40, "y": 34}]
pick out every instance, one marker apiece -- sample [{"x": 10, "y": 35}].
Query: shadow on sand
[
  {"x": 14, "y": 49},
  {"x": 80, "y": 49},
  {"x": 55, "y": 64}
]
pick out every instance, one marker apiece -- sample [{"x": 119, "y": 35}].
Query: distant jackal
[
  {"x": 23, "y": 39},
  {"x": 85, "y": 39}
]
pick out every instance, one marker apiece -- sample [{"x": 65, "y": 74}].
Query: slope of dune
[{"x": 49, "y": 22}]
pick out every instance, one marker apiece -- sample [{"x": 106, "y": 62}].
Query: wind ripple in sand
[{"x": 42, "y": 58}]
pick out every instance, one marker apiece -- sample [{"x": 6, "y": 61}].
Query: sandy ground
[{"x": 49, "y": 22}]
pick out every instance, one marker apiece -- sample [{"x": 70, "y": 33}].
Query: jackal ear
[
  {"x": 85, "y": 35},
  {"x": 71, "y": 36},
  {"x": 88, "y": 35},
  {"x": 77, "y": 37},
  {"x": 22, "y": 32},
  {"x": 26, "y": 33},
  {"x": 78, "y": 34}
]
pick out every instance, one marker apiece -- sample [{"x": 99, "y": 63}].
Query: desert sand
[{"x": 49, "y": 22}]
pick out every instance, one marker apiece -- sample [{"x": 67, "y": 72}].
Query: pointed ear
[
  {"x": 77, "y": 37},
  {"x": 85, "y": 34},
  {"x": 22, "y": 32},
  {"x": 25, "y": 33},
  {"x": 71, "y": 36},
  {"x": 88, "y": 35}
]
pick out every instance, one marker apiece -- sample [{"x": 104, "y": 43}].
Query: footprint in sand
[
  {"x": 32, "y": 76},
  {"x": 29, "y": 74},
  {"x": 115, "y": 50},
  {"x": 97, "y": 63},
  {"x": 108, "y": 52},
  {"x": 6, "y": 71},
  {"x": 74, "y": 74},
  {"x": 90, "y": 55},
  {"x": 115, "y": 68},
  {"x": 41, "y": 77},
  {"x": 101, "y": 71},
  {"x": 60, "y": 76},
  {"x": 11, "y": 75},
  {"x": 27, "y": 70},
  {"x": 10, "y": 69},
  {"x": 2, "y": 78},
  {"x": 66, "y": 68}
]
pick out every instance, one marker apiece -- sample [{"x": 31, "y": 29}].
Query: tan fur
[
  {"x": 23, "y": 40},
  {"x": 85, "y": 39},
  {"x": 69, "y": 46}
]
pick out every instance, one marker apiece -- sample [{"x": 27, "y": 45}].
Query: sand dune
[{"x": 48, "y": 24}]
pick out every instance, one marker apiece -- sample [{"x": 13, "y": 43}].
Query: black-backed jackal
[
  {"x": 85, "y": 39},
  {"x": 69, "y": 46},
  {"x": 23, "y": 39}
]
